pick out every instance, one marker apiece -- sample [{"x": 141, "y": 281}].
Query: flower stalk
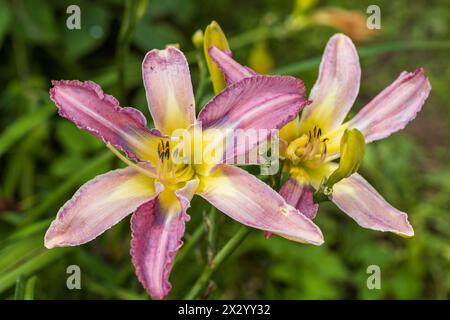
[{"x": 221, "y": 256}]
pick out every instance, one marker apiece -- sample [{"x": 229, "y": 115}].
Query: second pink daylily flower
[
  {"x": 157, "y": 189},
  {"x": 312, "y": 141}
]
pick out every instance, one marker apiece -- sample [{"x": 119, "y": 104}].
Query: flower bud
[
  {"x": 352, "y": 153},
  {"x": 214, "y": 36},
  {"x": 197, "y": 38}
]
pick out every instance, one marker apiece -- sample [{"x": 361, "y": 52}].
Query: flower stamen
[{"x": 128, "y": 162}]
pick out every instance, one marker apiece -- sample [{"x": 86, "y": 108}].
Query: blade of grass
[
  {"x": 19, "y": 293},
  {"x": 31, "y": 266},
  {"x": 74, "y": 181},
  {"x": 23, "y": 125},
  {"x": 29, "y": 288},
  {"x": 132, "y": 14}
]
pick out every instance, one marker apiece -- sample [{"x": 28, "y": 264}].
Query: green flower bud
[{"x": 352, "y": 153}]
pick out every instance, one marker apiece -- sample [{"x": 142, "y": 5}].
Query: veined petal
[
  {"x": 85, "y": 104},
  {"x": 394, "y": 107},
  {"x": 389, "y": 112},
  {"x": 256, "y": 103},
  {"x": 168, "y": 86},
  {"x": 98, "y": 205},
  {"x": 357, "y": 198},
  {"x": 299, "y": 193},
  {"x": 157, "y": 228},
  {"x": 248, "y": 200},
  {"x": 232, "y": 70},
  {"x": 336, "y": 88}
]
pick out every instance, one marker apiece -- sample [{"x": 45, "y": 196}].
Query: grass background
[{"x": 44, "y": 159}]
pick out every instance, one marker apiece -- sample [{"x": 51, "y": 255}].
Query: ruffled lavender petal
[
  {"x": 85, "y": 104},
  {"x": 253, "y": 104},
  {"x": 157, "y": 229}
]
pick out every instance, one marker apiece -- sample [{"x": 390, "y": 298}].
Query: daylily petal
[
  {"x": 300, "y": 195},
  {"x": 85, "y": 104},
  {"x": 291, "y": 130},
  {"x": 394, "y": 107},
  {"x": 259, "y": 102},
  {"x": 157, "y": 228},
  {"x": 357, "y": 198},
  {"x": 98, "y": 205},
  {"x": 248, "y": 200},
  {"x": 389, "y": 112},
  {"x": 232, "y": 70},
  {"x": 168, "y": 86},
  {"x": 336, "y": 88}
]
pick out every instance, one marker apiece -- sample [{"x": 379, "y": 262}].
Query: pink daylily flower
[
  {"x": 312, "y": 141},
  {"x": 155, "y": 188}
]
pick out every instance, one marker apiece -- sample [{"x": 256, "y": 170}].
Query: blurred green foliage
[{"x": 44, "y": 159}]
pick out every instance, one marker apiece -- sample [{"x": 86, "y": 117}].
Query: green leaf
[
  {"x": 7, "y": 279},
  {"x": 38, "y": 22},
  {"x": 73, "y": 181},
  {"x": 149, "y": 36},
  {"x": 74, "y": 140},
  {"x": 23, "y": 125}
]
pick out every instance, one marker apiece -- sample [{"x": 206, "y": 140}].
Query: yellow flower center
[
  {"x": 309, "y": 150},
  {"x": 167, "y": 170}
]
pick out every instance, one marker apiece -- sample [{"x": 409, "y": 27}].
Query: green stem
[
  {"x": 203, "y": 79},
  {"x": 221, "y": 256},
  {"x": 190, "y": 243},
  {"x": 129, "y": 19},
  {"x": 212, "y": 223}
]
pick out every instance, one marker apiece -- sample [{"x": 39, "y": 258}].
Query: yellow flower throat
[{"x": 309, "y": 149}]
